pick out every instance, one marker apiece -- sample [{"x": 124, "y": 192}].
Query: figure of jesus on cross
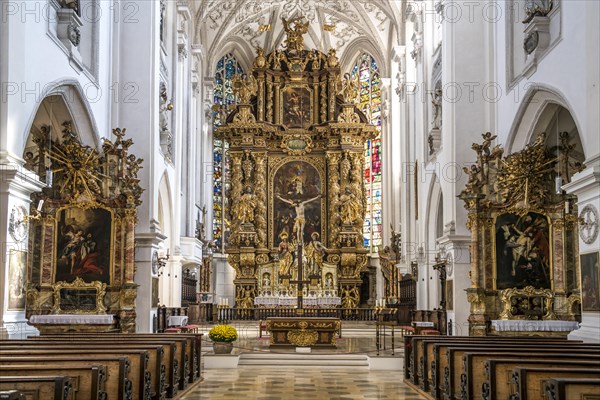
[{"x": 300, "y": 220}]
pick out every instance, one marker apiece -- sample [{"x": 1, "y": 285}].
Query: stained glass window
[
  {"x": 224, "y": 100},
  {"x": 370, "y": 103}
]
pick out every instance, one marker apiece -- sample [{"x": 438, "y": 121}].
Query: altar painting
[
  {"x": 296, "y": 107},
  {"x": 17, "y": 262},
  {"x": 590, "y": 282},
  {"x": 297, "y": 202},
  {"x": 83, "y": 245},
  {"x": 522, "y": 251}
]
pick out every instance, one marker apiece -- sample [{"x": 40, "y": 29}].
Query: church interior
[{"x": 307, "y": 199}]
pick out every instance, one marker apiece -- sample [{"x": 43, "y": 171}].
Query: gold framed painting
[
  {"x": 296, "y": 107},
  {"x": 17, "y": 279},
  {"x": 590, "y": 281},
  {"x": 522, "y": 251},
  {"x": 83, "y": 244}
]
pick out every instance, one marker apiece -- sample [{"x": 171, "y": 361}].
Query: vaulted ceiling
[{"x": 349, "y": 26}]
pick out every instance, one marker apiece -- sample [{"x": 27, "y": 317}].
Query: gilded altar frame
[
  {"x": 89, "y": 186},
  {"x": 78, "y": 284},
  {"x": 260, "y": 143},
  {"x": 518, "y": 188}
]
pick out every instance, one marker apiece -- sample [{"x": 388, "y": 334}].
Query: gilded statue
[
  {"x": 350, "y": 297},
  {"x": 245, "y": 87},
  {"x": 332, "y": 60},
  {"x": 244, "y": 211},
  {"x": 260, "y": 61},
  {"x": 295, "y": 29},
  {"x": 349, "y": 88},
  {"x": 285, "y": 255},
  {"x": 315, "y": 251},
  {"x": 349, "y": 207}
]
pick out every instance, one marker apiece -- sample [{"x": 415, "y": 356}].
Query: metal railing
[{"x": 254, "y": 314}]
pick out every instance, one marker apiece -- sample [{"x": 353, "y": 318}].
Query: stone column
[
  {"x": 16, "y": 186},
  {"x": 585, "y": 186}
]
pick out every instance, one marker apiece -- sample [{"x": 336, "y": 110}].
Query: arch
[
  {"x": 538, "y": 105},
  {"x": 359, "y": 46},
  {"x": 239, "y": 48},
  {"x": 69, "y": 99},
  {"x": 435, "y": 206}
]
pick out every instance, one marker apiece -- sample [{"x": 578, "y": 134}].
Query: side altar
[{"x": 297, "y": 198}]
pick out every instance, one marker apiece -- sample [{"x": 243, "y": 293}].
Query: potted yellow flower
[{"x": 223, "y": 337}]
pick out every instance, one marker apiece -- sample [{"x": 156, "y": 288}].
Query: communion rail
[{"x": 255, "y": 314}]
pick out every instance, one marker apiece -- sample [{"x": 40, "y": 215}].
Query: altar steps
[{"x": 304, "y": 360}]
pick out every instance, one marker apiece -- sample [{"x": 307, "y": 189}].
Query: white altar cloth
[
  {"x": 293, "y": 301},
  {"x": 67, "y": 319},
  {"x": 177, "y": 320},
  {"x": 522, "y": 325}
]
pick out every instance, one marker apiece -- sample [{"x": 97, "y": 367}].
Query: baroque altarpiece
[
  {"x": 296, "y": 143},
  {"x": 524, "y": 240},
  {"x": 81, "y": 233}
]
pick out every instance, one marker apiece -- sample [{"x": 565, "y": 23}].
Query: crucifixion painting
[{"x": 296, "y": 202}]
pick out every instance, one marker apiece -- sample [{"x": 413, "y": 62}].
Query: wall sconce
[{"x": 159, "y": 262}]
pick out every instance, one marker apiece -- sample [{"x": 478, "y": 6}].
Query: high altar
[{"x": 296, "y": 143}]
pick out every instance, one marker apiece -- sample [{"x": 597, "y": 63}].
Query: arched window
[
  {"x": 370, "y": 104},
  {"x": 224, "y": 100}
]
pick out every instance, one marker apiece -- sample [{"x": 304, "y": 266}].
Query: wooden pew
[
  {"x": 527, "y": 382},
  {"x": 139, "y": 376},
  {"x": 454, "y": 382},
  {"x": 87, "y": 381},
  {"x": 177, "y": 351},
  {"x": 498, "y": 372},
  {"x": 117, "y": 368},
  {"x": 474, "y": 374},
  {"x": 568, "y": 389},
  {"x": 190, "y": 363},
  {"x": 39, "y": 387},
  {"x": 430, "y": 365}
]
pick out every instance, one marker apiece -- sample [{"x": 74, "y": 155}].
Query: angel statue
[{"x": 294, "y": 29}]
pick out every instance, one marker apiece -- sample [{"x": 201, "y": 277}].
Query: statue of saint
[
  {"x": 349, "y": 88},
  {"x": 315, "y": 251},
  {"x": 349, "y": 207},
  {"x": 285, "y": 255},
  {"x": 300, "y": 220},
  {"x": 244, "y": 212},
  {"x": 436, "y": 103}
]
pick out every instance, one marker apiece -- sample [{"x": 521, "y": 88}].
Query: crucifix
[{"x": 300, "y": 281}]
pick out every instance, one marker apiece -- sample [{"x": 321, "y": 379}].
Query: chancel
[{"x": 199, "y": 199}]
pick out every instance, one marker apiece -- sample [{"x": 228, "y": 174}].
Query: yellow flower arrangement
[{"x": 223, "y": 333}]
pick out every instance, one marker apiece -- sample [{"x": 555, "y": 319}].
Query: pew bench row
[
  {"x": 132, "y": 366},
  {"x": 455, "y": 367}
]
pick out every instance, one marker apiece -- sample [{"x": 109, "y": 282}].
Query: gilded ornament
[
  {"x": 295, "y": 29},
  {"x": 303, "y": 338},
  {"x": 245, "y": 87}
]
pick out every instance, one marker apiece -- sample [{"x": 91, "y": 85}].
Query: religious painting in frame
[
  {"x": 296, "y": 201},
  {"x": 522, "y": 250},
  {"x": 83, "y": 245},
  {"x": 449, "y": 295},
  {"x": 154, "y": 292},
  {"x": 590, "y": 282},
  {"x": 296, "y": 107},
  {"x": 17, "y": 280}
]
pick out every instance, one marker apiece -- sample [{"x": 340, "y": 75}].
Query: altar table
[{"x": 303, "y": 331}]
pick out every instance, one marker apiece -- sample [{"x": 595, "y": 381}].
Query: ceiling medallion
[
  {"x": 18, "y": 225},
  {"x": 588, "y": 224}
]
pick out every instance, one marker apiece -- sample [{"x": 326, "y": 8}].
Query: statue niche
[{"x": 295, "y": 146}]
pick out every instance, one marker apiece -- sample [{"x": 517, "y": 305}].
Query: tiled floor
[
  {"x": 303, "y": 383},
  {"x": 274, "y": 383}
]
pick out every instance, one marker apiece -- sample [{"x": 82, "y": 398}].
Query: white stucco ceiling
[{"x": 233, "y": 25}]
